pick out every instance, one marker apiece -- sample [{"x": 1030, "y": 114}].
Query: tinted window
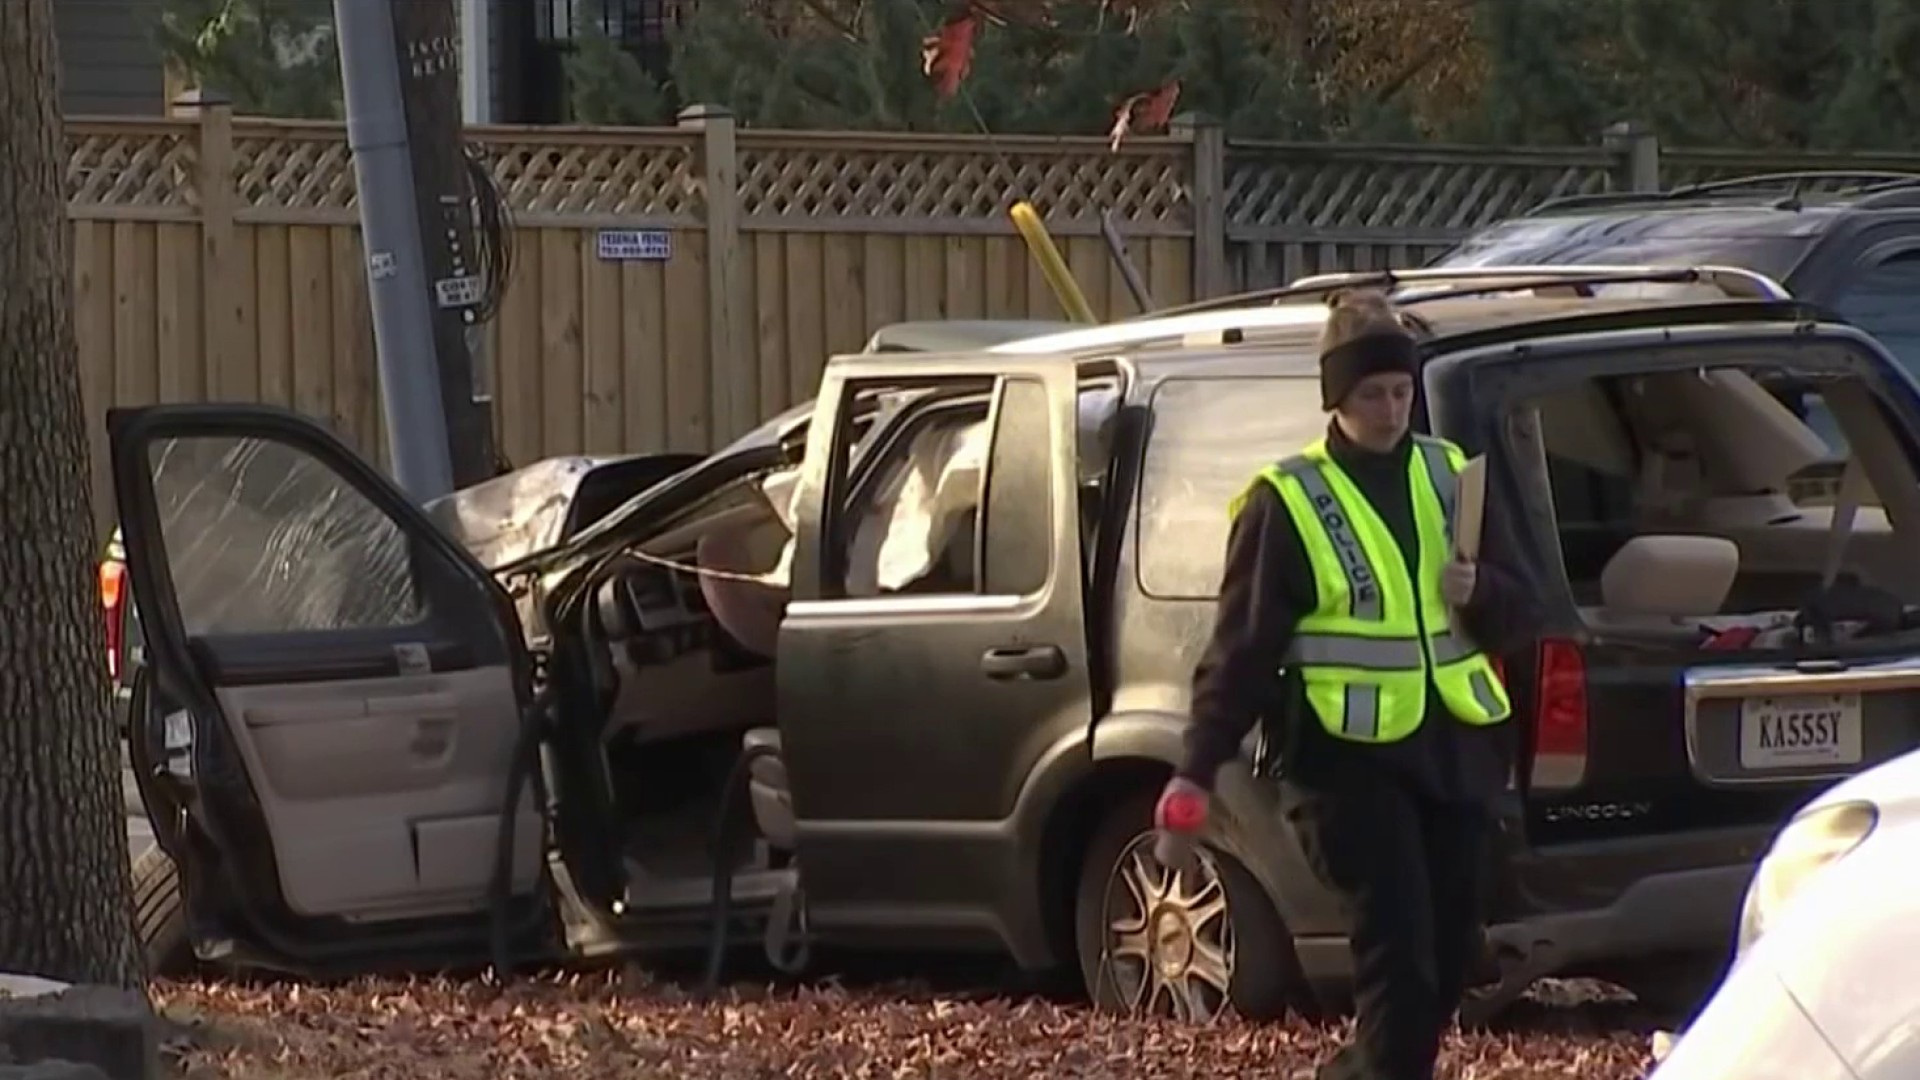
[
  {"x": 262, "y": 538},
  {"x": 1209, "y": 438},
  {"x": 1884, "y": 300}
]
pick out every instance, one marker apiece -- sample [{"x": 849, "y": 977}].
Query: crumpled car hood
[{"x": 514, "y": 515}]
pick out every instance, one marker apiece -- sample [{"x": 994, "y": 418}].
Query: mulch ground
[{"x": 608, "y": 1025}]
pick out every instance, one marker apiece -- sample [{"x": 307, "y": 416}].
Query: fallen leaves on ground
[{"x": 604, "y": 1025}]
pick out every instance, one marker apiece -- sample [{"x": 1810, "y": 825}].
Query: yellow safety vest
[{"x": 1372, "y": 642}]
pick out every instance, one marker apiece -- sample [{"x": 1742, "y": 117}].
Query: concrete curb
[
  {"x": 52, "y": 1070},
  {"x": 52, "y": 1031}
]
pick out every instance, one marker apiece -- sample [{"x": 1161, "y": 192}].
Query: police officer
[{"x": 1347, "y": 620}]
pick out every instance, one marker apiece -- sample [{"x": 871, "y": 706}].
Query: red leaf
[
  {"x": 1156, "y": 112},
  {"x": 947, "y": 56},
  {"x": 1144, "y": 112}
]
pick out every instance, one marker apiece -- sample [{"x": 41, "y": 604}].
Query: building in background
[
  {"x": 111, "y": 64},
  {"x": 547, "y": 29}
]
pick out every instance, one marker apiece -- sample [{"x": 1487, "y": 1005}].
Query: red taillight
[
  {"x": 1560, "y": 716},
  {"x": 113, "y": 578}
]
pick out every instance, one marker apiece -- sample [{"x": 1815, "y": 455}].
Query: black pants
[{"x": 1408, "y": 870}]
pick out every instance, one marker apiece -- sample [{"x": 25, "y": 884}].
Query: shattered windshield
[{"x": 260, "y": 537}]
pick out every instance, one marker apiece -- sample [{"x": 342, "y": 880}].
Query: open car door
[
  {"x": 935, "y": 646},
  {"x": 355, "y": 686}
]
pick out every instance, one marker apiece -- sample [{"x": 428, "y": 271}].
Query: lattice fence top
[
  {"x": 303, "y": 170},
  {"x": 1395, "y": 191},
  {"x": 308, "y": 168},
  {"x": 287, "y": 167},
  {"x": 142, "y": 165},
  {"x": 652, "y": 176},
  {"x": 791, "y": 180},
  {"x": 784, "y": 179}
]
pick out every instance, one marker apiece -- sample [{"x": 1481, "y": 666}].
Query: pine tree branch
[
  {"x": 839, "y": 25},
  {"x": 1413, "y": 69}
]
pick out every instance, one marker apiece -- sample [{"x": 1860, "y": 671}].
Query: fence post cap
[
  {"x": 201, "y": 97},
  {"x": 1626, "y": 129},
  {"x": 1192, "y": 120},
  {"x": 698, "y": 114}
]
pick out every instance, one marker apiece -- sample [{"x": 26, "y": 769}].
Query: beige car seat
[{"x": 1663, "y": 583}]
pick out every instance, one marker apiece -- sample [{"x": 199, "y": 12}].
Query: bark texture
[{"x": 64, "y": 891}]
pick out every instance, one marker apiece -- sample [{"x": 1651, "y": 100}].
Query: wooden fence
[{"x": 218, "y": 258}]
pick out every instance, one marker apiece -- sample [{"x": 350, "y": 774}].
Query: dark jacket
[{"x": 1267, "y": 586}]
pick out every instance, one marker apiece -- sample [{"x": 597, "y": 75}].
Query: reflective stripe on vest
[{"x": 1360, "y": 653}]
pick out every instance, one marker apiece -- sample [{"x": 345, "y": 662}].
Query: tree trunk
[{"x": 65, "y": 904}]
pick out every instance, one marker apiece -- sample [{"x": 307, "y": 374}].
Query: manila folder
[{"x": 1469, "y": 508}]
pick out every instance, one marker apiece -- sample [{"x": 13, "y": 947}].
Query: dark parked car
[
  {"x": 950, "y": 611},
  {"x": 1847, "y": 241}
]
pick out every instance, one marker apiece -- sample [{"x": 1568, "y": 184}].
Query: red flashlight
[{"x": 1183, "y": 811}]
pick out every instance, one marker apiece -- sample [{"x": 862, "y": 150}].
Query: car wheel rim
[{"x": 1169, "y": 936}]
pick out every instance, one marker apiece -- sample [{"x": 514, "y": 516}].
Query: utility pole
[{"x": 400, "y": 73}]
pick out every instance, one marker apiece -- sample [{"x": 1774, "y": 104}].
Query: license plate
[{"x": 1800, "y": 732}]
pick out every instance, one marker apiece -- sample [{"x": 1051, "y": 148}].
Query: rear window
[
  {"x": 1649, "y": 241},
  {"x": 1742, "y": 451},
  {"x": 1209, "y": 437},
  {"x": 1881, "y": 302}
]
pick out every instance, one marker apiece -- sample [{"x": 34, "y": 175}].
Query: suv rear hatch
[{"x": 1728, "y": 640}]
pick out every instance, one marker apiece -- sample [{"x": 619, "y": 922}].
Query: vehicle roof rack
[
  {"x": 1847, "y": 181},
  {"x": 1229, "y": 320},
  {"x": 1850, "y": 180},
  {"x": 1734, "y": 281}
]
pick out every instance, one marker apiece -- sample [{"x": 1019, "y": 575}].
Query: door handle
[{"x": 1028, "y": 662}]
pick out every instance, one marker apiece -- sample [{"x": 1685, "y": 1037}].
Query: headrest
[
  {"x": 1670, "y": 575},
  {"x": 1742, "y": 436}
]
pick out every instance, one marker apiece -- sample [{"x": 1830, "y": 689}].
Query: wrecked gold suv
[{"x": 905, "y": 667}]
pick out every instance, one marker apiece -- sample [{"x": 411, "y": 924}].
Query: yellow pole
[{"x": 1065, "y": 288}]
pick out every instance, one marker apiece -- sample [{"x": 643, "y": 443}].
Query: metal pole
[
  {"x": 1117, "y": 247},
  {"x": 403, "y": 330}
]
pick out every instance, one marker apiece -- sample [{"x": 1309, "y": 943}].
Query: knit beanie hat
[{"x": 1363, "y": 336}]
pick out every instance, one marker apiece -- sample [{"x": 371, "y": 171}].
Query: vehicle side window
[
  {"x": 951, "y": 495},
  {"x": 1880, "y": 300},
  {"x": 261, "y": 538},
  {"x": 1209, "y": 439}
]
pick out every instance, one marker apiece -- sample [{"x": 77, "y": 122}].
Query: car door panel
[
  {"x": 388, "y": 789},
  {"x": 366, "y": 672},
  {"x": 912, "y": 711}
]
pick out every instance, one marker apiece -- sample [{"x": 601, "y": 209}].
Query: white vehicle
[{"x": 1820, "y": 988}]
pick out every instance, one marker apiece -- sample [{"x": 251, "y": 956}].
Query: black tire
[
  {"x": 1265, "y": 980},
  {"x": 160, "y": 915}
]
